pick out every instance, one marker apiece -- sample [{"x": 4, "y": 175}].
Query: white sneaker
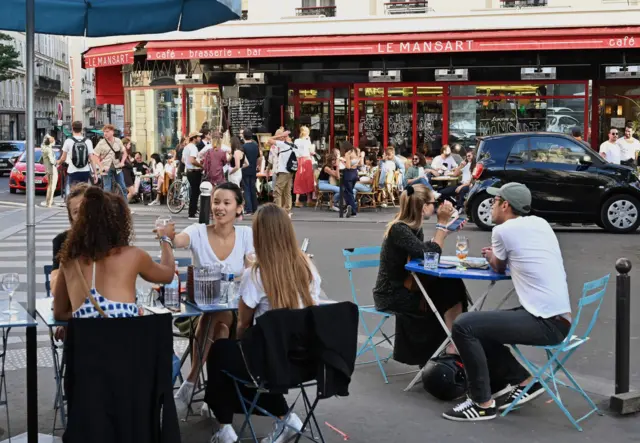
[
  {"x": 205, "y": 411},
  {"x": 183, "y": 397},
  {"x": 335, "y": 209},
  {"x": 226, "y": 434},
  {"x": 154, "y": 203},
  {"x": 282, "y": 433}
]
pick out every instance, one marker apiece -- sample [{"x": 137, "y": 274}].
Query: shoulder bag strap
[{"x": 88, "y": 290}]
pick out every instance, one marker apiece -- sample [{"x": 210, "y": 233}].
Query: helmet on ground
[{"x": 444, "y": 377}]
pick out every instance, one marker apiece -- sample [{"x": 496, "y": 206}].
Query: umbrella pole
[{"x": 32, "y": 368}]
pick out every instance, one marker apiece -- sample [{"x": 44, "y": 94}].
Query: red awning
[
  {"x": 109, "y": 86},
  {"x": 376, "y": 44},
  {"x": 112, "y": 55}
]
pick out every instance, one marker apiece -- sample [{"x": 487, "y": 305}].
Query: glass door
[
  {"x": 400, "y": 129},
  {"x": 204, "y": 109},
  {"x": 315, "y": 115},
  {"x": 429, "y": 128},
  {"x": 169, "y": 119}
]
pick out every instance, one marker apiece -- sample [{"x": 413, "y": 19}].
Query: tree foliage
[{"x": 9, "y": 58}]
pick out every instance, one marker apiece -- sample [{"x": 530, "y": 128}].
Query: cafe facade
[{"x": 416, "y": 91}]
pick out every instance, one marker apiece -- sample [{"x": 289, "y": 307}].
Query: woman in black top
[
  {"x": 418, "y": 333},
  {"x": 127, "y": 169},
  {"x": 237, "y": 162}
]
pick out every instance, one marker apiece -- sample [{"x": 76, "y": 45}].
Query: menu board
[{"x": 246, "y": 113}]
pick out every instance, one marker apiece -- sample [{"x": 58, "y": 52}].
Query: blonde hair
[
  {"x": 285, "y": 270},
  {"x": 304, "y": 131},
  {"x": 390, "y": 149},
  {"x": 216, "y": 142},
  {"x": 226, "y": 138},
  {"x": 411, "y": 207}
]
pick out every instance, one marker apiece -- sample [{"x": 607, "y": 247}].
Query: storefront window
[
  {"x": 204, "y": 109},
  {"x": 315, "y": 115},
  {"x": 429, "y": 127},
  {"x": 618, "y": 106},
  {"x": 371, "y": 124},
  {"x": 169, "y": 121},
  {"x": 400, "y": 123}
]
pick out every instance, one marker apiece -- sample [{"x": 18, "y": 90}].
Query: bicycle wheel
[
  {"x": 175, "y": 198},
  {"x": 117, "y": 189}
]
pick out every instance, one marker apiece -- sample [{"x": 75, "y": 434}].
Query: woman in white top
[
  {"x": 304, "y": 182},
  {"x": 158, "y": 175},
  {"x": 282, "y": 277},
  {"x": 222, "y": 243}
]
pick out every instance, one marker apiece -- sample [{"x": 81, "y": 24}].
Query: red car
[{"x": 17, "y": 177}]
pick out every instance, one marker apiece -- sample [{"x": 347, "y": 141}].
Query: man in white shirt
[
  {"x": 284, "y": 147},
  {"x": 629, "y": 147},
  {"x": 444, "y": 162},
  {"x": 77, "y": 152},
  {"x": 193, "y": 168},
  {"x": 529, "y": 247},
  {"x": 610, "y": 150},
  {"x": 206, "y": 140}
]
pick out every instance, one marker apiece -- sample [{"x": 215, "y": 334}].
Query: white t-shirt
[
  {"x": 207, "y": 147},
  {"x": 466, "y": 173},
  {"x": 304, "y": 147},
  {"x": 438, "y": 163},
  {"x": 284, "y": 152},
  {"x": 158, "y": 170},
  {"x": 628, "y": 148},
  {"x": 203, "y": 255},
  {"x": 253, "y": 295},
  {"x": 68, "y": 148},
  {"x": 611, "y": 151},
  {"x": 531, "y": 249},
  {"x": 189, "y": 151}
]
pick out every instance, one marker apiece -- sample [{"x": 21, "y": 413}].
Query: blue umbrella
[{"x": 90, "y": 18}]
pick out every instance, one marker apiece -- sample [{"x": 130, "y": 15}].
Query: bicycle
[
  {"x": 179, "y": 196},
  {"x": 115, "y": 186}
]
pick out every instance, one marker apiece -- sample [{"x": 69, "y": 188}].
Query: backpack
[
  {"x": 80, "y": 153},
  {"x": 292, "y": 162}
]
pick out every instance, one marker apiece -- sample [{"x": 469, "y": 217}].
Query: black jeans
[
  {"x": 221, "y": 394},
  {"x": 350, "y": 178},
  {"x": 250, "y": 192},
  {"x": 451, "y": 192},
  {"x": 195, "y": 178},
  {"x": 480, "y": 338}
]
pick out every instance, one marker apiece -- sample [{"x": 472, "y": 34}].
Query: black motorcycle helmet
[{"x": 444, "y": 377}]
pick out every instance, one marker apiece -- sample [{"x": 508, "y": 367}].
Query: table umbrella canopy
[{"x": 102, "y": 18}]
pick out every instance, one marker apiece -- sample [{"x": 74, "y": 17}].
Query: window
[
  {"x": 317, "y": 7},
  {"x": 519, "y": 153},
  {"x": 556, "y": 150}
]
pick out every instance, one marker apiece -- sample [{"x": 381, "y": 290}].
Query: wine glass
[
  {"x": 10, "y": 283},
  {"x": 462, "y": 248}
]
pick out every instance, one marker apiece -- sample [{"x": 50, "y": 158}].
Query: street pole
[
  {"x": 623, "y": 324},
  {"x": 341, "y": 202},
  {"x": 32, "y": 369},
  {"x": 206, "y": 189}
]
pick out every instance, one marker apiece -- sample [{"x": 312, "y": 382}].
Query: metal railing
[
  {"x": 413, "y": 7},
  {"x": 522, "y": 3},
  {"x": 48, "y": 84},
  {"x": 327, "y": 11},
  {"x": 90, "y": 103}
]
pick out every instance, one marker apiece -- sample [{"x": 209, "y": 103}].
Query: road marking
[{"x": 13, "y": 204}]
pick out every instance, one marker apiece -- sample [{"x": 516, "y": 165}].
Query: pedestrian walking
[
  {"x": 112, "y": 155},
  {"x": 249, "y": 174},
  {"x": 194, "y": 172},
  {"x": 285, "y": 153},
  {"x": 51, "y": 170},
  {"x": 214, "y": 162},
  {"x": 77, "y": 152}
]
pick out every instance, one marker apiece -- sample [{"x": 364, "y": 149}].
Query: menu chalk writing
[{"x": 246, "y": 113}]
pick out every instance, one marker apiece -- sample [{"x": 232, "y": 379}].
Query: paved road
[{"x": 374, "y": 410}]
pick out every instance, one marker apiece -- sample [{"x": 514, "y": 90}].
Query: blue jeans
[
  {"x": 324, "y": 185},
  {"x": 119, "y": 178},
  {"x": 423, "y": 181},
  {"x": 361, "y": 187},
  {"x": 350, "y": 178},
  {"x": 250, "y": 192}
]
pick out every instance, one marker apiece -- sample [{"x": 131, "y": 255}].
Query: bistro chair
[
  {"x": 47, "y": 279},
  {"x": 324, "y": 198},
  {"x": 373, "y": 339},
  {"x": 370, "y": 199},
  {"x": 557, "y": 355}
]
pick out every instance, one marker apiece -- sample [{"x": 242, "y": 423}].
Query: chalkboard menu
[{"x": 246, "y": 113}]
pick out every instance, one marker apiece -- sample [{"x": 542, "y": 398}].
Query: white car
[{"x": 561, "y": 123}]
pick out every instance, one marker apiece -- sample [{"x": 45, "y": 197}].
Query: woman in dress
[
  {"x": 304, "y": 182},
  {"x": 418, "y": 333},
  {"x": 157, "y": 169},
  {"x": 221, "y": 243},
  {"x": 49, "y": 162},
  {"x": 99, "y": 267},
  {"x": 282, "y": 277},
  {"x": 237, "y": 161},
  {"x": 127, "y": 169}
]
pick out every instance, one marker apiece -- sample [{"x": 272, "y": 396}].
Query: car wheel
[
  {"x": 621, "y": 214},
  {"x": 482, "y": 211},
  {"x": 13, "y": 190}
]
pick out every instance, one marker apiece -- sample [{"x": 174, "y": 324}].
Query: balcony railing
[
  {"x": 90, "y": 103},
  {"x": 48, "y": 84},
  {"x": 522, "y": 3},
  {"x": 415, "y": 7},
  {"x": 327, "y": 11}
]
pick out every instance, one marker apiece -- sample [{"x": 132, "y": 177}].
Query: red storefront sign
[
  {"x": 389, "y": 44},
  {"x": 113, "y": 55}
]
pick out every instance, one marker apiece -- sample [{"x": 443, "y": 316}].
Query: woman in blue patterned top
[{"x": 99, "y": 267}]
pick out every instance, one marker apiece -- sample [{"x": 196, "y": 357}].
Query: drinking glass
[
  {"x": 462, "y": 247},
  {"x": 431, "y": 260},
  {"x": 10, "y": 283},
  {"x": 163, "y": 221}
]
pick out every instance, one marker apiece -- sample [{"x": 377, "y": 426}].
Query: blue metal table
[
  {"x": 416, "y": 267},
  {"x": 20, "y": 319}
]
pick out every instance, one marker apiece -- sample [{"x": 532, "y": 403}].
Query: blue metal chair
[
  {"x": 370, "y": 343},
  {"x": 557, "y": 355},
  {"x": 47, "y": 278}
]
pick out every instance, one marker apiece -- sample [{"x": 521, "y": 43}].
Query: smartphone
[
  {"x": 305, "y": 245},
  {"x": 446, "y": 265},
  {"x": 456, "y": 224}
]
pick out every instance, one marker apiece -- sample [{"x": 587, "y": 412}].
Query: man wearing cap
[
  {"x": 529, "y": 247},
  {"x": 194, "y": 172},
  {"x": 284, "y": 147}
]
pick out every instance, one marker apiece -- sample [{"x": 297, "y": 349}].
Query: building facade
[
  {"x": 369, "y": 69},
  {"x": 51, "y": 81}
]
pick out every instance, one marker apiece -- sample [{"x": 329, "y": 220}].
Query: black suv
[{"x": 569, "y": 181}]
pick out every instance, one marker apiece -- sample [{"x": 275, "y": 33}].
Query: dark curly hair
[{"x": 104, "y": 223}]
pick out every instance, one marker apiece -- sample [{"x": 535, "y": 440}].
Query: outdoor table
[
  {"x": 21, "y": 319},
  {"x": 444, "y": 180},
  {"x": 416, "y": 267}
]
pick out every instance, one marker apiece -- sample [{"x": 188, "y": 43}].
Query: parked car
[
  {"x": 17, "y": 178},
  {"x": 569, "y": 181},
  {"x": 561, "y": 123},
  {"x": 10, "y": 152}
]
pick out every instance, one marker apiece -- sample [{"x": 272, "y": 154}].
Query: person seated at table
[
  {"x": 460, "y": 191},
  {"x": 282, "y": 277},
  {"x": 529, "y": 247},
  {"x": 444, "y": 163},
  {"x": 418, "y": 333},
  {"x": 366, "y": 175},
  {"x": 97, "y": 249},
  {"x": 418, "y": 173},
  {"x": 221, "y": 243},
  {"x": 330, "y": 170},
  {"x": 157, "y": 168}
]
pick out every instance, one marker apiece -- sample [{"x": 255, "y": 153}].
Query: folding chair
[
  {"x": 370, "y": 344},
  {"x": 47, "y": 278},
  {"x": 557, "y": 355}
]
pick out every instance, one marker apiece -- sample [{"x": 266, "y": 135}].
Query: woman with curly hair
[{"x": 100, "y": 267}]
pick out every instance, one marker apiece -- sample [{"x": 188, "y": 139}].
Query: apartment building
[{"x": 416, "y": 74}]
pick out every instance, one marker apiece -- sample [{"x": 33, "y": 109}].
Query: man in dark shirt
[{"x": 253, "y": 153}]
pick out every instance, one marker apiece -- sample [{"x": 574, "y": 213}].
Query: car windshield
[
  {"x": 11, "y": 147},
  {"x": 38, "y": 156}
]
